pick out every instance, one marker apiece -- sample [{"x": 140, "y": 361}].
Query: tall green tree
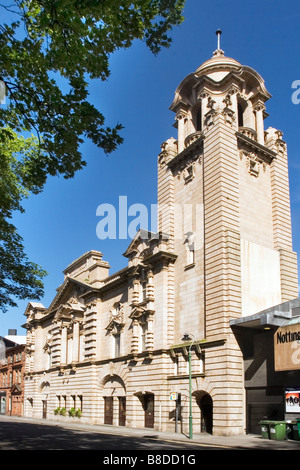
[
  {"x": 19, "y": 277},
  {"x": 46, "y": 41}
]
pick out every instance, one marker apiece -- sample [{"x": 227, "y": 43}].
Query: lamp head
[{"x": 186, "y": 337}]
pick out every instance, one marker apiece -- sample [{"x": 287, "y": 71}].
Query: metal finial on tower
[
  {"x": 218, "y": 33},
  {"x": 218, "y": 52}
]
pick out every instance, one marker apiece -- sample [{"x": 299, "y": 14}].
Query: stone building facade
[
  {"x": 12, "y": 368},
  {"x": 113, "y": 345}
]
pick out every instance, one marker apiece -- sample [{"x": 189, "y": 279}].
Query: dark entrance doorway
[
  {"x": 2, "y": 403},
  {"x": 263, "y": 403},
  {"x": 108, "y": 410},
  {"x": 16, "y": 400},
  {"x": 206, "y": 407},
  {"x": 122, "y": 411},
  {"x": 149, "y": 410},
  {"x": 44, "y": 409}
]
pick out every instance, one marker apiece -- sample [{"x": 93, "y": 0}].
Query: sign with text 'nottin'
[{"x": 287, "y": 348}]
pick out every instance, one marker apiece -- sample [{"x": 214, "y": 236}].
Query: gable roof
[
  {"x": 61, "y": 291},
  {"x": 34, "y": 305},
  {"x": 144, "y": 236},
  {"x": 7, "y": 342}
]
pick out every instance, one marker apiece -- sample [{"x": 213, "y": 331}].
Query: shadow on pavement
[{"x": 28, "y": 436}]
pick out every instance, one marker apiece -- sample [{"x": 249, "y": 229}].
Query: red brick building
[{"x": 12, "y": 363}]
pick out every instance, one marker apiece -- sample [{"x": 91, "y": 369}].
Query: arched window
[
  {"x": 240, "y": 115},
  {"x": 199, "y": 119}
]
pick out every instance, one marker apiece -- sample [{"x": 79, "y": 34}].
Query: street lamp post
[{"x": 187, "y": 337}]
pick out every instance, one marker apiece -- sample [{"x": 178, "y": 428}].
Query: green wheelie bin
[
  {"x": 277, "y": 430},
  {"x": 297, "y": 430},
  {"x": 265, "y": 429},
  {"x": 292, "y": 431}
]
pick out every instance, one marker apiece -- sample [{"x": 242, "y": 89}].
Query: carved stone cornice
[
  {"x": 259, "y": 107},
  {"x": 164, "y": 257},
  {"x": 181, "y": 115},
  {"x": 248, "y": 132},
  {"x": 191, "y": 138},
  {"x": 251, "y": 145},
  {"x": 192, "y": 152}
]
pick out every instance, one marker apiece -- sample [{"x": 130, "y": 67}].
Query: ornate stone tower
[{"x": 223, "y": 196}]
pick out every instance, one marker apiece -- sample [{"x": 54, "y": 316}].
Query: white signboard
[{"x": 292, "y": 400}]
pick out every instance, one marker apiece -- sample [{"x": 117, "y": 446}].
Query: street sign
[
  {"x": 173, "y": 396},
  {"x": 287, "y": 347}
]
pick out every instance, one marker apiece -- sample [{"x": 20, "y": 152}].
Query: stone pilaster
[
  {"x": 165, "y": 196},
  {"x": 63, "y": 345},
  {"x": 221, "y": 215},
  {"x": 282, "y": 227},
  {"x": 222, "y": 274}
]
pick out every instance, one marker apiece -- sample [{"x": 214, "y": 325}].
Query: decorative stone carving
[
  {"x": 253, "y": 162},
  {"x": 259, "y": 107},
  {"x": 228, "y": 113},
  {"x": 210, "y": 103},
  {"x": 181, "y": 115},
  {"x": 162, "y": 158},
  {"x": 48, "y": 344},
  {"x": 116, "y": 321},
  {"x": 142, "y": 316},
  {"x": 248, "y": 132},
  {"x": 192, "y": 138},
  {"x": 201, "y": 95},
  {"x": 188, "y": 167},
  {"x": 74, "y": 303},
  {"x": 189, "y": 173},
  {"x": 209, "y": 117},
  {"x": 280, "y": 144}
]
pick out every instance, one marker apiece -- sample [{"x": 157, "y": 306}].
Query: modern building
[
  {"x": 155, "y": 344},
  {"x": 12, "y": 365},
  {"x": 270, "y": 343}
]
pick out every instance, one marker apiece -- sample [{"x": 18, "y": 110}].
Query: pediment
[
  {"x": 138, "y": 243},
  {"x": 143, "y": 244},
  {"x": 67, "y": 297},
  {"x": 34, "y": 309},
  {"x": 137, "y": 312},
  {"x": 16, "y": 389}
]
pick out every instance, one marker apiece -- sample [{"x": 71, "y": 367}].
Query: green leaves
[
  {"x": 72, "y": 39},
  {"x": 18, "y": 170},
  {"x": 19, "y": 278},
  {"x": 48, "y": 54},
  {"x": 18, "y": 178}
]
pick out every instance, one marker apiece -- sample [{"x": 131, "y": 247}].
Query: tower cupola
[{"x": 220, "y": 85}]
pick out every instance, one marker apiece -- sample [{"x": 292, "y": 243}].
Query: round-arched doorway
[
  {"x": 114, "y": 395},
  {"x": 206, "y": 409}
]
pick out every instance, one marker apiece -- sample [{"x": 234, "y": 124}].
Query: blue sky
[{"x": 59, "y": 225}]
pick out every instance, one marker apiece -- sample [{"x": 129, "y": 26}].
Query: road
[{"x": 23, "y": 435}]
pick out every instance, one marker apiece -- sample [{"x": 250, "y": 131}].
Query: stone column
[
  {"x": 180, "y": 119},
  {"x": 165, "y": 193},
  {"x": 63, "y": 345},
  {"x": 135, "y": 293},
  {"x": 75, "y": 351},
  {"x": 149, "y": 338},
  {"x": 135, "y": 337},
  {"x": 203, "y": 97},
  {"x": 259, "y": 109},
  {"x": 234, "y": 101}
]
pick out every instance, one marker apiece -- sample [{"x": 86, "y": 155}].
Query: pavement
[{"x": 241, "y": 442}]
